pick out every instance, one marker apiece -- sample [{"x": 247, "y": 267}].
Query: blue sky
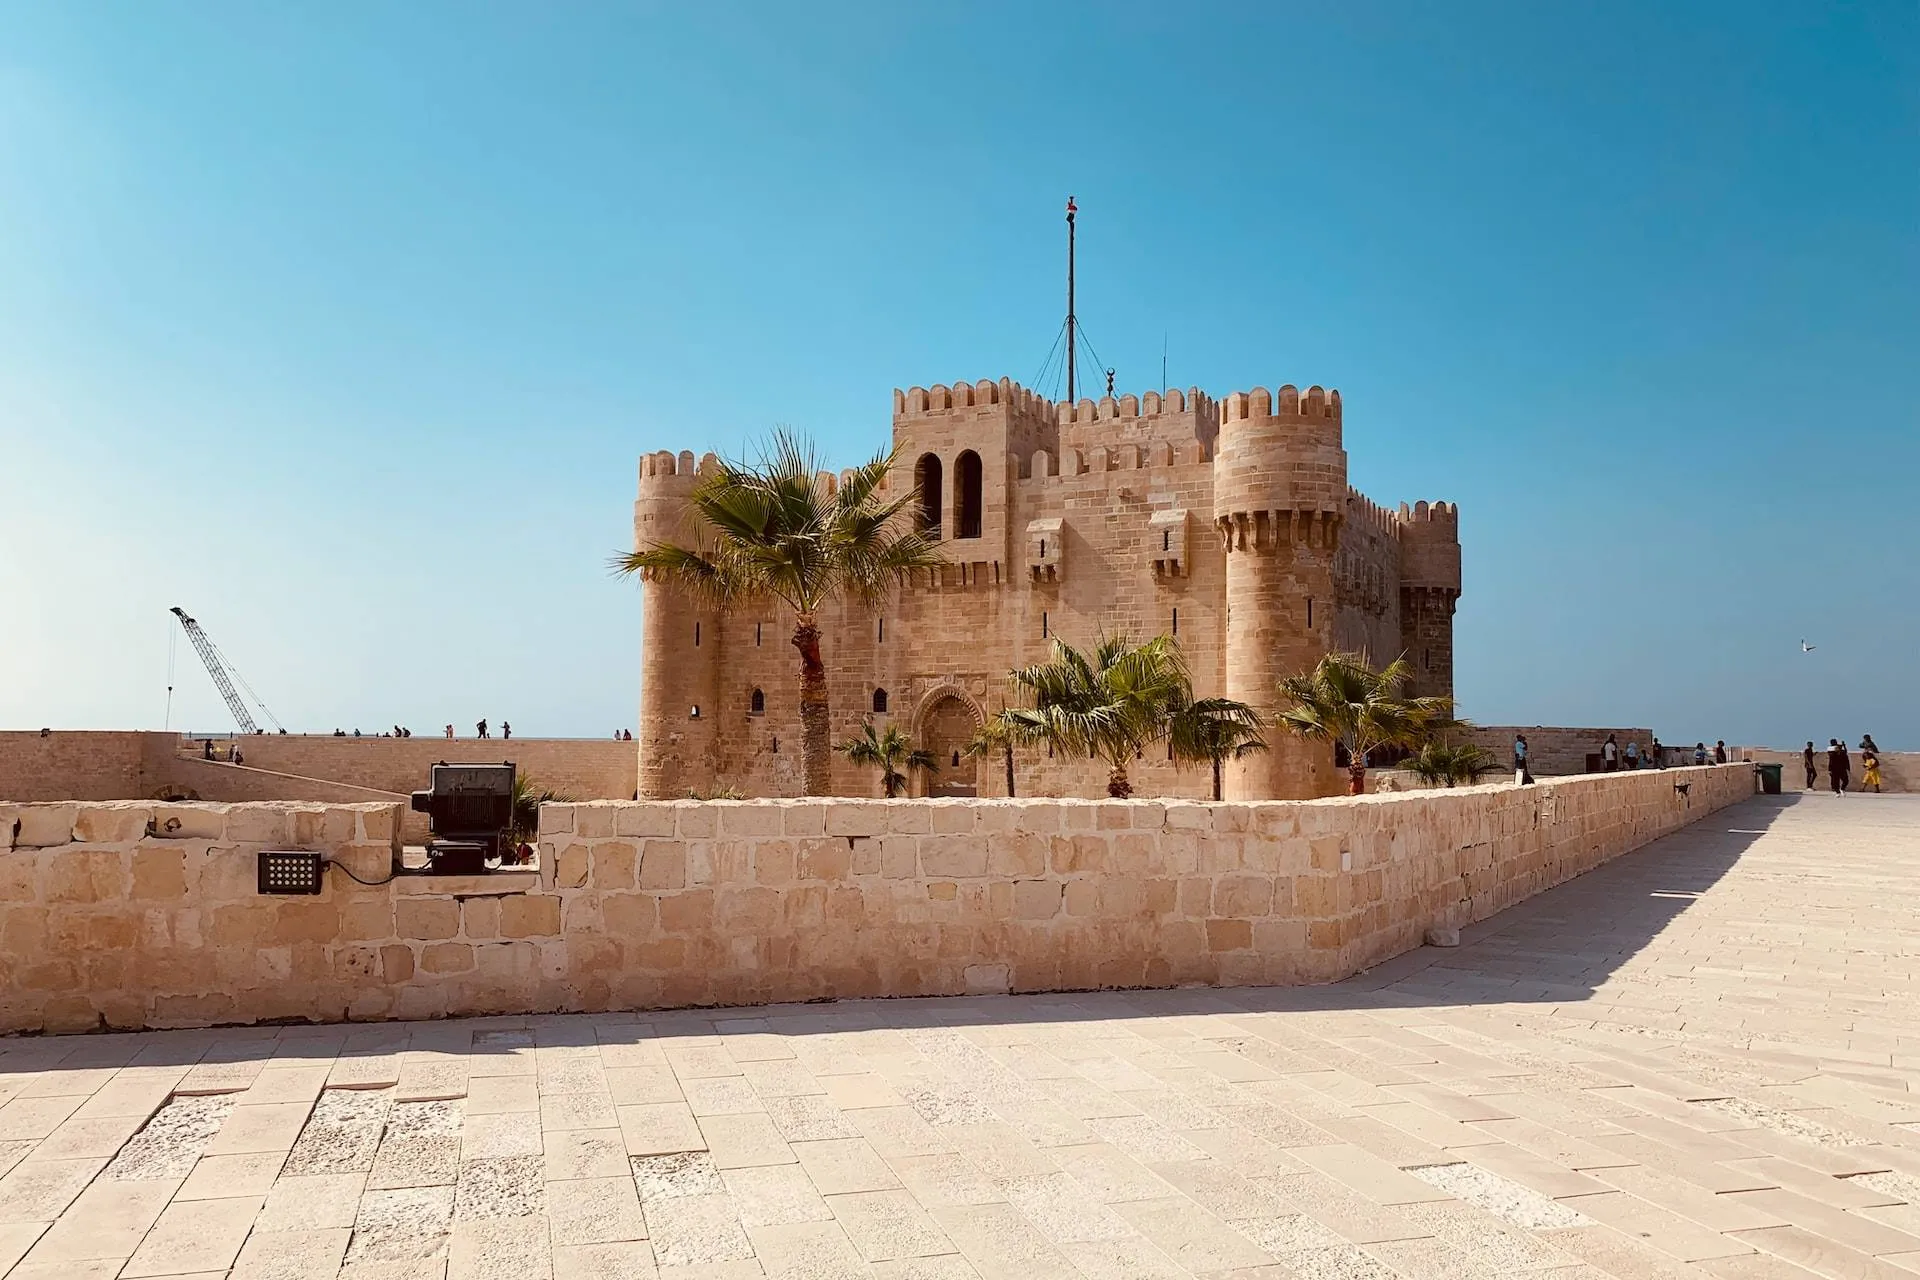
[{"x": 343, "y": 325}]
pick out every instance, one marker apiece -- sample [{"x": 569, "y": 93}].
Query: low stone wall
[
  {"x": 84, "y": 765},
  {"x": 1899, "y": 770},
  {"x": 137, "y": 915},
  {"x": 135, "y": 765},
  {"x": 582, "y": 768},
  {"x": 1554, "y": 751}
]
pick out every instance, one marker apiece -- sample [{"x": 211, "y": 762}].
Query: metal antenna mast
[
  {"x": 218, "y": 670},
  {"x": 1071, "y": 322}
]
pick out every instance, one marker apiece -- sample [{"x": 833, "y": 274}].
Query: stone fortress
[{"x": 1226, "y": 523}]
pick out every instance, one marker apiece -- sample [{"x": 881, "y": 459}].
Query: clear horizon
[{"x": 344, "y": 329}]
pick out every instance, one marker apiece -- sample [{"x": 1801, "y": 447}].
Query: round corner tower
[
  {"x": 679, "y": 645},
  {"x": 1280, "y": 494}
]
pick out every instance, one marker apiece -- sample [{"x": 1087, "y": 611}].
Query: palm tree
[
  {"x": 995, "y": 737},
  {"x": 528, "y": 796},
  {"x": 1450, "y": 763},
  {"x": 1345, "y": 701},
  {"x": 781, "y": 528},
  {"x": 1216, "y": 730},
  {"x": 892, "y": 752},
  {"x": 1110, "y": 703}
]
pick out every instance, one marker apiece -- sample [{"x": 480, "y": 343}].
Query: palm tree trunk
[
  {"x": 1009, "y": 751},
  {"x": 1219, "y": 792},
  {"x": 816, "y": 726},
  {"x": 1118, "y": 787},
  {"x": 1356, "y": 779}
]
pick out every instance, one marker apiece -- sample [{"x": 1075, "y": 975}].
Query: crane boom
[{"x": 217, "y": 669}]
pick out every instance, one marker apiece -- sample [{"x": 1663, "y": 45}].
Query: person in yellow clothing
[{"x": 1870, "y": 767}]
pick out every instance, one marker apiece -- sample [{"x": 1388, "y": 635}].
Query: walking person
[
  {"x": 1656, "y": 758},
  {"x": 449, "y": 733},
  {"x": 1720, "y": 751},
  {"x": 1836, "y": 766},
  {"x": 1806, "y": 762},
  {"x": 1633, "y": 755},
  {"x": 1869, "y": 765},
  {"x": 1522, "y": 776},
  {"x": 506, "y": 730},
  {"x": 1699, "y": 753},
  {"x": 1609, "y": 755},
  {"x": 480, "y": 729}
]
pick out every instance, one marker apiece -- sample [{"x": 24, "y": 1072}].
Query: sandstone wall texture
[
  {"x": 582, "y": 768},
  {"x": 136, "y": 766},
  {"x": 1229, "y": 524},
  {"x": 1554, "y": 751},
  {"x": 146, "y": 915},
  {"x": 84, "y": 765}
]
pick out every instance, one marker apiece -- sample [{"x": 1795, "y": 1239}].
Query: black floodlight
[{"x": 290, "y": 871}]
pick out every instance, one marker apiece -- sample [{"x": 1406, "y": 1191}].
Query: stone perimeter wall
[
  {"x": 131, "y": 915},
  {"x": 127, "y": 765}
]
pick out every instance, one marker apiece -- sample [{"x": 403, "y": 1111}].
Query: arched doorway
[
  {"x": 926, "y": 481},
  {"x": 966, "y": 495},
  {"x": 947, "y": 724}
]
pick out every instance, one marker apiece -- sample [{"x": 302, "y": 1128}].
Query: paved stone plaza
[{"x": 1700, "y": 1060}]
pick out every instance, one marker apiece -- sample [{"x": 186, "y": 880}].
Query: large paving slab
[{"x": 1702, "y": 1060}]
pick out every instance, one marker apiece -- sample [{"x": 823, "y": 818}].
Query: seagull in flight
[{"x": 1807, "y": 648}]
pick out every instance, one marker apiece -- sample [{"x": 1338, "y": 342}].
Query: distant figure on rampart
[
  {"x": 1633, "y": 755},
  {"x": 480, "y": 729},
  {"x": 449, "y": 733},
  {"x": 1869, "y": 765},
  {"x": 1699, "y": 753},
  {"x": 1838, "y": 766},
  {"x": 506, "y": 730},
  {"x": 1522, "y": 776},
  {"x": 1609, "y": 755},
  {"x": 1720, "y": 751},
  {"x": 1806, "y": 762},
  {"x": 207, "y": 749}
]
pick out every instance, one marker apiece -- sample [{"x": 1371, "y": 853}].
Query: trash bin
[{"x": 1769, "y": 778}]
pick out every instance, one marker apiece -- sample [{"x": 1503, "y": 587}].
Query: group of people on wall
[{"x": 1840, "y": 765}]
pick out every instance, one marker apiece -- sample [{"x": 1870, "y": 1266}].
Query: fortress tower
[
  {"x": 1280, "y": 495},
  {"x": 679, "y": 644},
  {"x": 1227, "y": 524},
  {"x": 1429, "y": 590}
]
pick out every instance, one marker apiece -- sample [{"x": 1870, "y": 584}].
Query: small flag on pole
[{"x": 1071, "y": 207}]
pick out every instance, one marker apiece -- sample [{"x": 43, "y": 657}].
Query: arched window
[
  {"x": 966, "y": 494},
  {"x": 879, "y": 701},
  {"x": 694, "y": 712},
  {"x": 926, "y": 480},
  {"x": 758, "y": 705}
]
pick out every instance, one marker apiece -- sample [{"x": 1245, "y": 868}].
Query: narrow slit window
[
  {"x": 1044, "y": 632},
  {"x": 756, "y": 633},
  {"x": 693, "y": 713},
  {"x": 1166, "y": 539},
  {"x": 881, "y": 634},
  {"x": 1309, "y": 610},
  {"x": 696, "y": 635},
  {"x": 1176, "y": 622}
]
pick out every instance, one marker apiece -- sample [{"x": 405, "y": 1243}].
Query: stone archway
[{"x": 946, "y": 722}]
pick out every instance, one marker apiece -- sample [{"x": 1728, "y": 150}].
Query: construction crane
[{"x": 224, "y": 675}]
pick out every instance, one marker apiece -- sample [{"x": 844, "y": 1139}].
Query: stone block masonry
[{"x": 127, "y": 915}]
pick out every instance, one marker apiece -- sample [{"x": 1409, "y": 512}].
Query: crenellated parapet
[
  {"x": 1280, "y": 475},
  {"x": 1430, "y": 547}
]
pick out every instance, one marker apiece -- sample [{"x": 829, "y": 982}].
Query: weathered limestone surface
[{"x": 146, "y": 914}]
